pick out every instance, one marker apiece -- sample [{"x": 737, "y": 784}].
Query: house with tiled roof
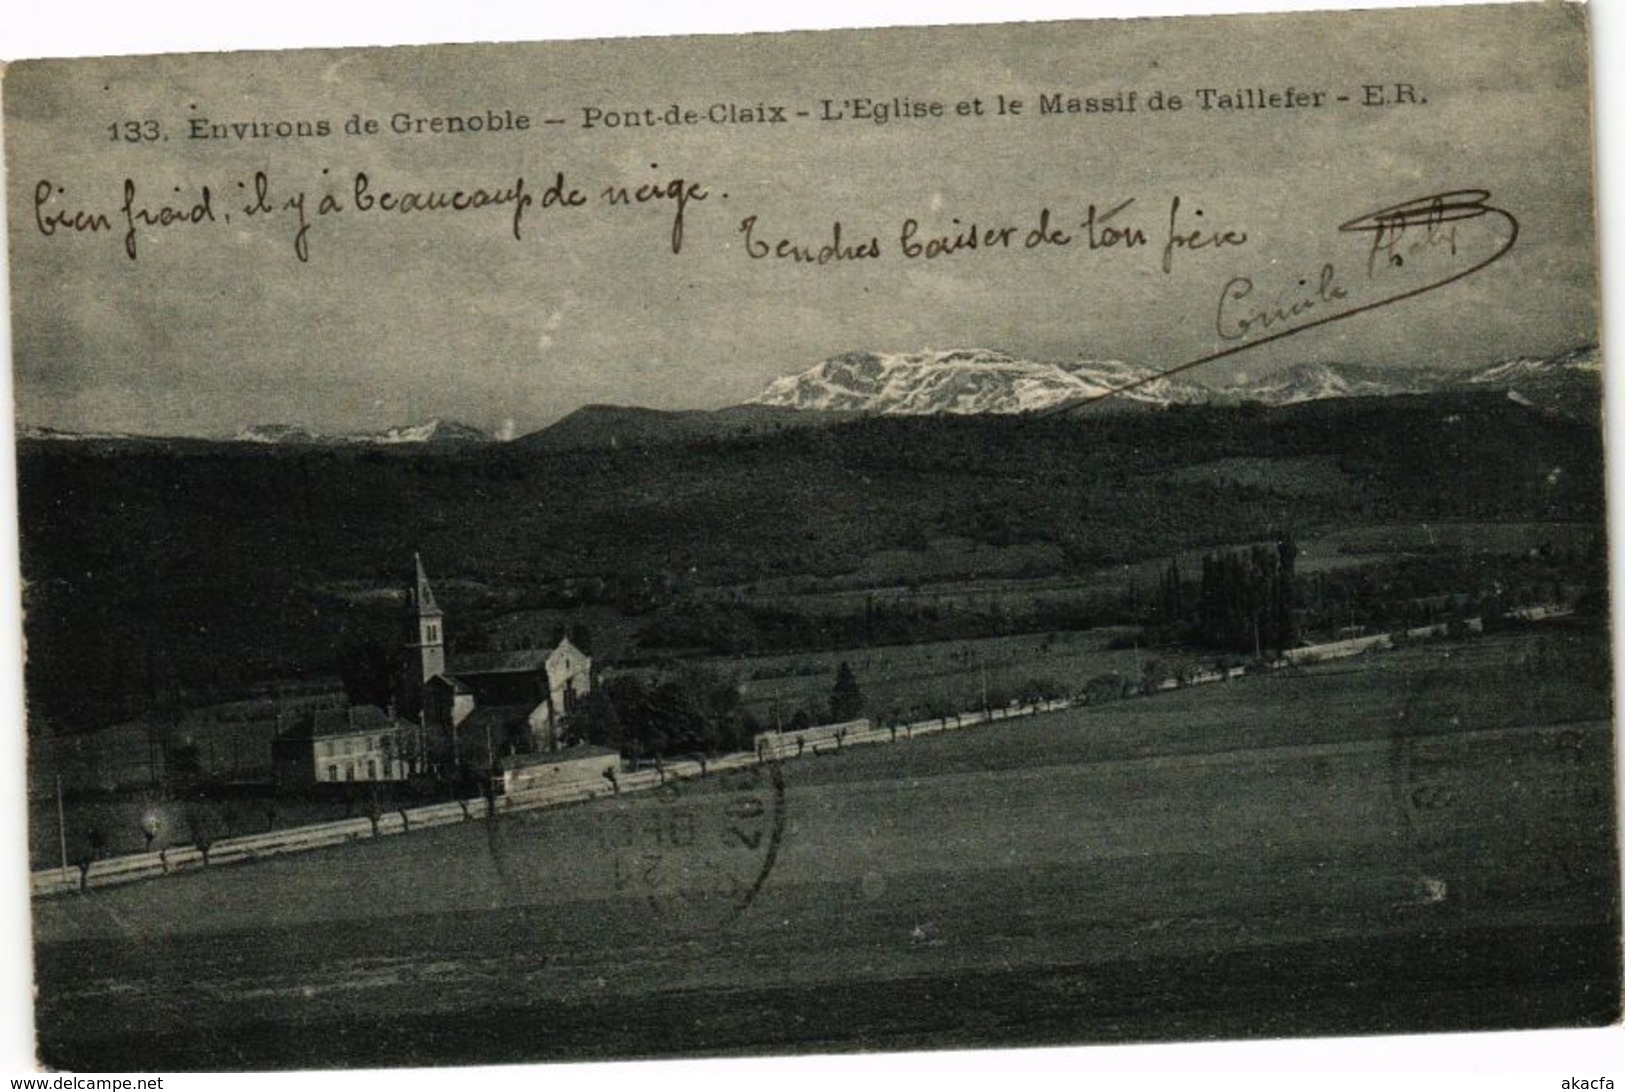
[{"x": 339, "y": 746}]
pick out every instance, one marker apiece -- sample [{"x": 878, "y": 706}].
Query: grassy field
[
  {"x": 1421, "y": 840},
  {"x": 948, "y": 674}
]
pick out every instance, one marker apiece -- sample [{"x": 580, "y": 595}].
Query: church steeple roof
[{"x": 423, "y": 594}]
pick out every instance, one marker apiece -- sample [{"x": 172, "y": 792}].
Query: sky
[{"x": 397, "y": 318}]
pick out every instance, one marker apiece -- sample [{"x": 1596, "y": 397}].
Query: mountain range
[
  {"x": 968, "y": 381},
  {"x": 985, "y": 381},
  {"x": 436, "y": 431},
  {"x": 433, "y": 432},
  {"x": 973, "y": 381}
]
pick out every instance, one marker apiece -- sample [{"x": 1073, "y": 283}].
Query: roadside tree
[{"x": 845, "y": 700}]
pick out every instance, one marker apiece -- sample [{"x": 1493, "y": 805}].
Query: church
[
  {"x": 476, "y": 709},
  {"x": 468, "y": 712}
]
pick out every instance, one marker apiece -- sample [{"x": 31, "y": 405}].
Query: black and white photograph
[{"x": 1059, "y": 533}]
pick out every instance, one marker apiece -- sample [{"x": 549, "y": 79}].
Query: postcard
[{"x": 1041, "y": 533}]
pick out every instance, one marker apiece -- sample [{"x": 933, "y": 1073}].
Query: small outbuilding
[{"x": 582, "y": 768}]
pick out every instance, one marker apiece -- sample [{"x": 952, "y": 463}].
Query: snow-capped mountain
[
  {"x": 1313, "y": 382},
  {"x": 1531, "y": 378},
  {"x": 1569, "y": 384},
  {"x": 964, "y": 381},
  {"x": 436, "y": 431},
  {"x": 276, "y": 434},
  {"x": 1577, "y": 362},
  {"x": 43, "y": 432}
]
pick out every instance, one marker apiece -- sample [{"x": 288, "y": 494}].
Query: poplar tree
[{"x": 846, "y": 700}]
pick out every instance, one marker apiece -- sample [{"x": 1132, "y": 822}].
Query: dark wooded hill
[{"x": 156, "y": 570}]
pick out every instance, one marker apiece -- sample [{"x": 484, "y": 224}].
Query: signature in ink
[
  {"x": 1398, "y": 234},
  {"x": 1241, "y": 313},
  {"x": 1427, "y": 223}
]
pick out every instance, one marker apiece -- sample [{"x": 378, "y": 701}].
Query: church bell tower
[{"x": 425, "y": 641}]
